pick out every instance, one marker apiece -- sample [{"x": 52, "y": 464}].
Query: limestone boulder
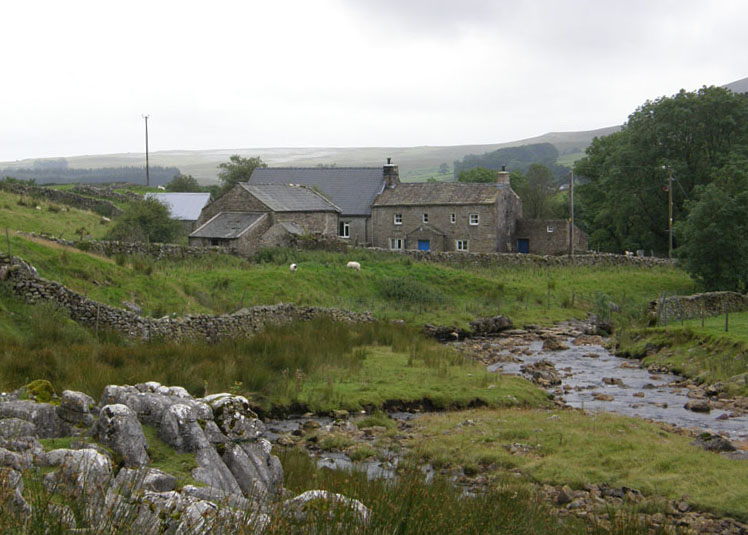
[
  {"x": 118, "y": 428},
  {"x": 75, "y": 408},
  {"x": 234, "y": 416},
  {"x": 11, "y": 428},
  {"x": 47, "y": 424},
  {"x": 306, "y": 504}
]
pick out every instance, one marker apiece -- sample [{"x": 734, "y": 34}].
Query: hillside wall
[
  {"x": 695, "y": 306},
  {"x": 101, "y": 207},
  {"x": 23, "y": 281}
]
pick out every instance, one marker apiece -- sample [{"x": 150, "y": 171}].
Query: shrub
[{"x": 407, "y": 290}]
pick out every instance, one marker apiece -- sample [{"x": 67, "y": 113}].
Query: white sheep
[
  {"x": 293, "y": 268},
  {"x": 629, "y": 253},
  {"x": 161, "y": 188},
  {"x": 354, "y": 265}
]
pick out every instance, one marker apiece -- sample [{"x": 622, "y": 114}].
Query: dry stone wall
[
  {"x": 25, "y": 283},
  {"x": 517, "y": 259},
  {"x": 695, "y": 306},
  {"x": 101, "y": 207}
]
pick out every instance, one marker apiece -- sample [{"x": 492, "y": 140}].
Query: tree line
[
  {"x": 699, "y": 138},
  {"x": 515, "y": 159},
  {"x": 65, "y": 175}
]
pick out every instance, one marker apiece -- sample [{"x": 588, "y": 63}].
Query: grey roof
[
  {"x": 182, "y": 206},
  {"x": 290, "y": 198},
  {"x": 227, "y": 225},
  {"x": 292, "y": 228},
  {"x": 424, "y": 193},
  {"x": 353, "y": 189}
]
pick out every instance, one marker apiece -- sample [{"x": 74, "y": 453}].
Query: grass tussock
[{"x": 571, "y": 447}]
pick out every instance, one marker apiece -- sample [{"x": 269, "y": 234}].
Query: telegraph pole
[
  {"x": 670, "y": 212},
  {"x": 571, "y": 213},
  {"x": 147, "y": 171}
]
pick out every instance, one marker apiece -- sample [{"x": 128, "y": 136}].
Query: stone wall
[
  {"x": 695, "y": 306},
  {"x": 24, "y": 282},
  {"x": 156, "y": 250},
  {"x": 101, "y": 207},
  {"x": 516, "y": 259}
]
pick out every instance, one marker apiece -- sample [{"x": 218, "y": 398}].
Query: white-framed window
[
  {"x": 425, "y": 217},
  {"x": 453, "y": 218},
  {"x": 397, "y": 244},
  {"x": 461, "y": 245},
  {"x": 344, "y": 230},
  {"x": 398, "y": 219},
  {"x": 550, "y": 228},
  {"x": 474, "y": 219}
]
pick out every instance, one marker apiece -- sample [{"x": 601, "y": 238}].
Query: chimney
[
  {"x": 502, "y": 177},
  {"x": 391, "y": 174}
]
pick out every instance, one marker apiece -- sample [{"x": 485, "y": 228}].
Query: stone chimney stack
[
  {"x": 391, "y": 174},
  {"x": 502, "y": 177}
]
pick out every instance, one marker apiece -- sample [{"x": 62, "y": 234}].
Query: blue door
[
  {"x": 424, "y": 245},
  {"x": 523, "y": 246}
]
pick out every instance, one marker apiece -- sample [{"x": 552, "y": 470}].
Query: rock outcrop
[{"x": 108, "y": 469}]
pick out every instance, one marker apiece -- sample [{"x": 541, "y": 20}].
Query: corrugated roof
[
  {"x": 227, "y": 225},
  {"x": 439, "y": 193},
  {"x": 353, "y": 189},
  {"x": 182, "y": 206},
  {"x": 288, "y": 198}
]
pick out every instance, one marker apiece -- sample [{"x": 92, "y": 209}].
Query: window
[
  {"x": 398, "y": 220},
  {"x": 474, "y": 219},
  {"x": 550, "y": 228},
  {"x": 345, "y": 229},
  {"x": 461, "y": 245},
  {"x": 453, "y": 218},
  {"x": 425, "y": 218},
  {"x": 397, "y": 244}
]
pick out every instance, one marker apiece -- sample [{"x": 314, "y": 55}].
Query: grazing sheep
[
  {"x": 161, "y": 188},
  {"x": 293, "y": 268},
  {"x": 354, "y": 265},
  {"x": 629, "y": 253}
]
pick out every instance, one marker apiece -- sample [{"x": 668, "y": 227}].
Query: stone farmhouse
[
  {"x": 249, "y": 217},
  {"x": 447, "y": 216},
  {"x": 353, "y": 189},
  {"x": 370, "y": 206}
]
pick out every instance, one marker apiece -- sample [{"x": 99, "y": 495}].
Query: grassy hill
[{"x": 416, "y": 163}]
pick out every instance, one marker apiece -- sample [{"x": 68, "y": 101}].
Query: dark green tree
[
  {"x": 622, "y": 204},
  {"x": 237, "y": 169},
  {"x": 145, "y": 221},
  {"x": 713, "y": 246},
  {"x": 536, "y": 191},
  {"x": 184, "y": 183},
  {"x": 477, "y": 174}
]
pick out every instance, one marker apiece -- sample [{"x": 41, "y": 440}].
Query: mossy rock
[{"x": 40, "y": 391}]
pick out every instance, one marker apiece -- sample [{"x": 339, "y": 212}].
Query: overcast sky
[{"x": 79, "y": 75}]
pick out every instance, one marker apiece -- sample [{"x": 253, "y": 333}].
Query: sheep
[
  {"x": 161, "y": 188},
  {"x": 354, "y": 265},
  {"x": 629, "y": 253},
  {"x": 293, "y": 268}
]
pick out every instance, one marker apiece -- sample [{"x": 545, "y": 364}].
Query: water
[{"x": 663, "y": 394}]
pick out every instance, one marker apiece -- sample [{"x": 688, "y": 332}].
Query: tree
[
  {"x": 477, "y": 174},
  {"x": 443, "y": 169},
  {"x": 145, "y": 221},
  {"x": 713, "y": 246},
  {"x": 536, "y": 192},
  {"x": 237, "y": 169},
  {"x": 622, "y": 204},
  {"x": 184, "y": 183}
]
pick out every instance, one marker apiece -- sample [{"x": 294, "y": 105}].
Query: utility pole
[
  {"x": 147, "y": 171},
  {"x": 670, "y": 213},
  {"x": 571, "y": 213}
]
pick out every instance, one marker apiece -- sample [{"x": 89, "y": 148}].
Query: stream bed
[{"x": 634, "y": 390}]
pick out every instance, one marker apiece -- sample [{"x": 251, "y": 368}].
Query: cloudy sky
[{"x": 79, "y": 75}]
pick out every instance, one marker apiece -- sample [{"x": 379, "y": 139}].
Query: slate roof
[
  {"x": 182, "y": 206},
  {"x": 424, "y": 193},
  {"x": 227, "y": 225},
  {"x": 288, "y": 198},
  {"x": 353, "y": 189}
]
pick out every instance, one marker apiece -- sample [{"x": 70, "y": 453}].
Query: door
[
  {"x": 424, "y": 245},
  {"x": 523, "y": 245}
]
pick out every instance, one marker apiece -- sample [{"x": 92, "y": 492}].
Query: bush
[{"x": 145, "y": 221}]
